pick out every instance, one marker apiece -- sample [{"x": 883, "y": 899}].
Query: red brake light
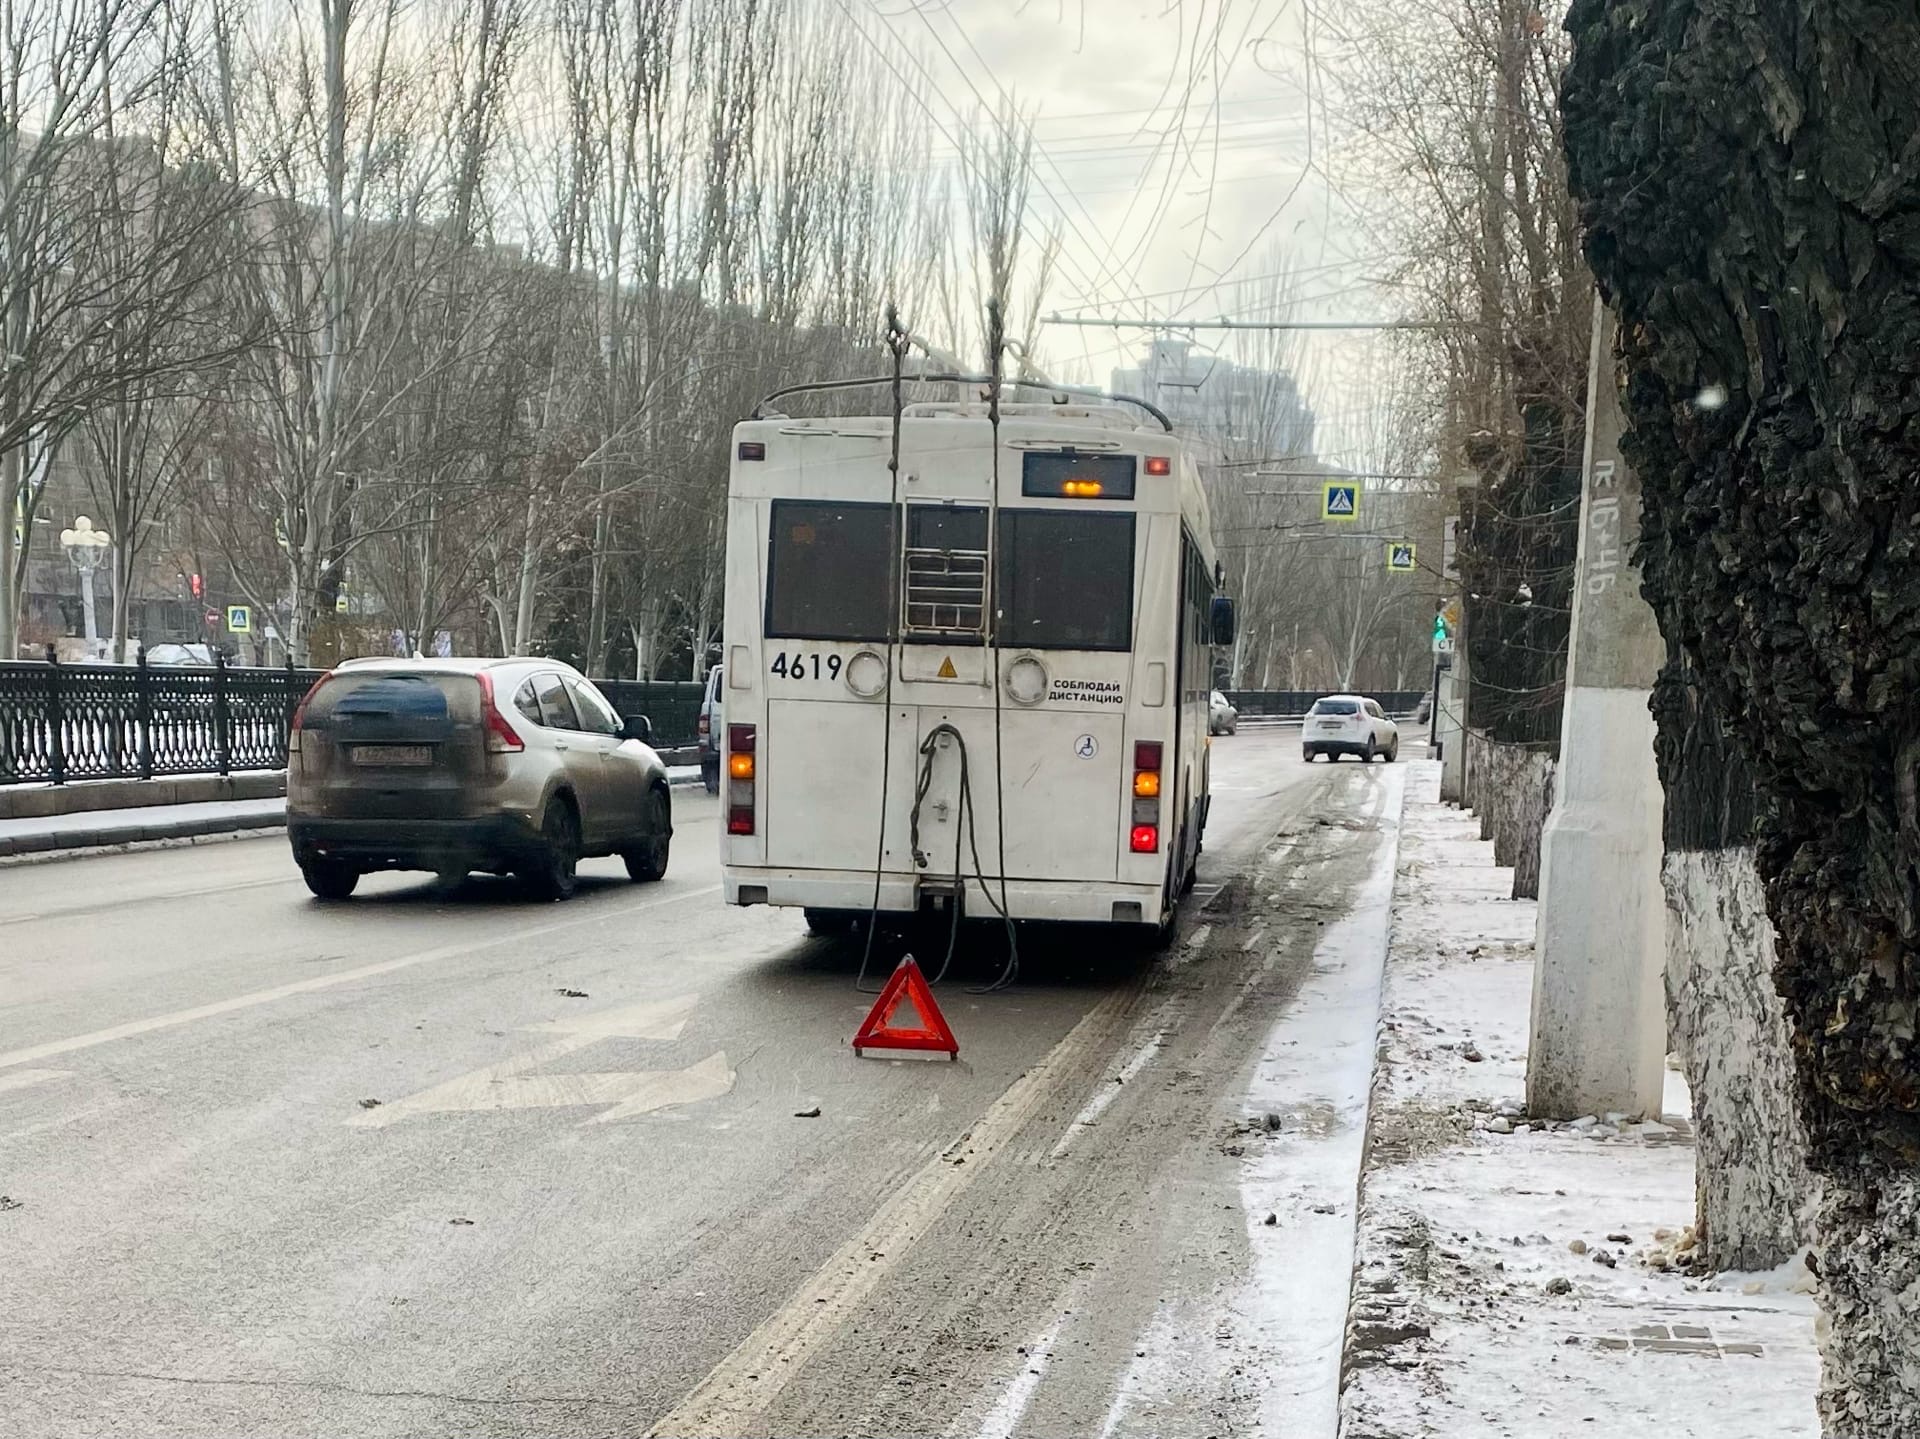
[
  {"x": 502, "y": 738},
  {"x": 1146, "y": 838},
  {"x": 741, "y": 770},
  {"x": 1159, "y": 465},
  {"x": 300, "y": 710},
  {"x": 1146, "y": 754}
]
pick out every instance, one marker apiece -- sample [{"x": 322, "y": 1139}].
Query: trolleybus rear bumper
[{"x": 1082, "y": 901}]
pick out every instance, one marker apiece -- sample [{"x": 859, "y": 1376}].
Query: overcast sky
[{"x": 1184, "y": 145}]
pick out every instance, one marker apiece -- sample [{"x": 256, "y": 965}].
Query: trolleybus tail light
[
  {"x": 1145, "y": 835},
  {"x": 1159, "y": 465},
  {"x": 502, "y": 738},
  {"x": 742, "y": 744},
  {"x": 752, "y": 450}
]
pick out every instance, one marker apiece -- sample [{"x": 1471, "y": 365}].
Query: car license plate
[{"x": 392, "y": 754}]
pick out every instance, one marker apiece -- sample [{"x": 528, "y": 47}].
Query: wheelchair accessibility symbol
[{"x": 1086, "y": 746}]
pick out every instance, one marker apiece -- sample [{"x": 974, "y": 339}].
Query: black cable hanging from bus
[{"x": 898, "y": 343}]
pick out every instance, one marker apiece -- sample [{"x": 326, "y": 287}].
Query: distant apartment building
[{"x": 1226, "y": 410}]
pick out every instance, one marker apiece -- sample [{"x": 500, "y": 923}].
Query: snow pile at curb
[{"x": 1519, "y": 1278}]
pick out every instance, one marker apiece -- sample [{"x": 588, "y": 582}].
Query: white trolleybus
[{"x": 940, "y": 694}]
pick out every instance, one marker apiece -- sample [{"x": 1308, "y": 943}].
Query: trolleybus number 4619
[{"x": 794, "y": 667}]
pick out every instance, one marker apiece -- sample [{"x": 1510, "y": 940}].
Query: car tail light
[
  {"x": 300, "y": 710},
  {"x": 742, "y": 744},
  {"x": 704, "y": 728},
  {"x": 1144, "y": 838},
  {"x": 502, "y": 738},
  {"x": 299, "y": 719}
]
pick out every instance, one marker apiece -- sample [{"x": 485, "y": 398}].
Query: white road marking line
[
  {"x": 508, "y": 1085},
  {"x": 744, "y": 1385},
  {"x": 21, "y": 1078},
  {"x": 1012, "y": 1405},
  {"x": 1109, "y": 1091},
  {"x": 67, "y": 912},
  {"x": 325, "y": 981}
]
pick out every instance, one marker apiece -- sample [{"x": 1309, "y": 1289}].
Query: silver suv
[{"x": 507, "y": 765}]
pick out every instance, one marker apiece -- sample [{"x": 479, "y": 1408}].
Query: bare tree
[{"x": 109, "y": 236}]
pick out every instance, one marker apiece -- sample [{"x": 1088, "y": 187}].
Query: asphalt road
[{"x": 431, "y": 1164}]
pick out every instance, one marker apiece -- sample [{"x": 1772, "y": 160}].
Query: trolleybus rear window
[
  {"x": 1066, "y": 579},
  {"x": 827, "y": 570}
]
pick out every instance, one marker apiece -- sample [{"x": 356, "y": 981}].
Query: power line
[{"x": 1099, "y": 323}]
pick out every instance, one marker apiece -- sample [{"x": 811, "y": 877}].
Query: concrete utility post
[{"x": 1599, "y": 1014}]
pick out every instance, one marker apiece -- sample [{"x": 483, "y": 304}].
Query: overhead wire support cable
[{"x": 1096, "y": 322}]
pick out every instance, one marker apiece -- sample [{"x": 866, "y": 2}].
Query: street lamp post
[{"x": 87, "y": 547}]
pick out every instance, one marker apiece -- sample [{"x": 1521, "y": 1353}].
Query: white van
[{"x": 709, "y": 728}]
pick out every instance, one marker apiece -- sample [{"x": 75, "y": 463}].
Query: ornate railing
[{"x": 61, "y": 722}]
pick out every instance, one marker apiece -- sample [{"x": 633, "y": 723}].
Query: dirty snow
[{"x": 1513, "y": 1278}]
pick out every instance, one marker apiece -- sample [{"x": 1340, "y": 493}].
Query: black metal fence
[
  {"x": 61, "y": 722},
  {"x": 1291, "y": 704},
  {"x": 672, "y": 705}
]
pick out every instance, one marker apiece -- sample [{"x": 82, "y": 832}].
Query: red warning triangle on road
[{"x": 906, "y": 986}]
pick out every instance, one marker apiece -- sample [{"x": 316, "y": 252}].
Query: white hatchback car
[
  {"x": 1222, "y": 717},
  {"x": 1348, "y": 724}
]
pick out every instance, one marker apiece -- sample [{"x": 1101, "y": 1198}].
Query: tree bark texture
[
  {"x": 1747, "y": 175},
  {"x": 1510, "y": 788}
]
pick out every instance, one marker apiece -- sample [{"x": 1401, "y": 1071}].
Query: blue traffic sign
[{"x": 1340, "y": 500}]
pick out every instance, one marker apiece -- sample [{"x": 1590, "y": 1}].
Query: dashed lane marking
[{"x": 597, "y": 914}]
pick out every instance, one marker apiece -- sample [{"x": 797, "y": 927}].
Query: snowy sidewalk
[{"x": 1531, "y": 1280}]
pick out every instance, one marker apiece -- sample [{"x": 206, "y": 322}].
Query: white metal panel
[{"x": 820, "y": 771}]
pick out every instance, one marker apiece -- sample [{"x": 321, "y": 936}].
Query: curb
[
  {"x": 75, "y": 842},
  {"x": 137, "y": 832},
  {"x": 1376, "y": 1087}
]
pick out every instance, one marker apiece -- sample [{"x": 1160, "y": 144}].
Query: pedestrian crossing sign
[
  {"x": 239, "y": 619},
  {"x": 1340, "y": 500},
  {"x": 1400, "y": 556}
]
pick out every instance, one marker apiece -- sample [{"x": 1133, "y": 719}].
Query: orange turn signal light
[
  {"x": 1146, "y": 783},
  {"x": 740, "y": 766}
]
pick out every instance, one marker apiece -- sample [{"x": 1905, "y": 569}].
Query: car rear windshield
[
  {"x": 373, "y": 697},
  {"x": 1336, "y": 707},
  {"x": 827, "y": 569},
  {"x": 1066, "y": 579}
]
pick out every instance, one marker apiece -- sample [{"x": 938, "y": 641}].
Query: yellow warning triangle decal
[{"x": 947, "y": 671}]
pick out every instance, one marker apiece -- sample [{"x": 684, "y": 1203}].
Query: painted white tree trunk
[{"x": 1729, "y": 1026}]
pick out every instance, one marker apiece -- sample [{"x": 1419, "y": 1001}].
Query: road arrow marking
[{"x": 510, "y": 1084}]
